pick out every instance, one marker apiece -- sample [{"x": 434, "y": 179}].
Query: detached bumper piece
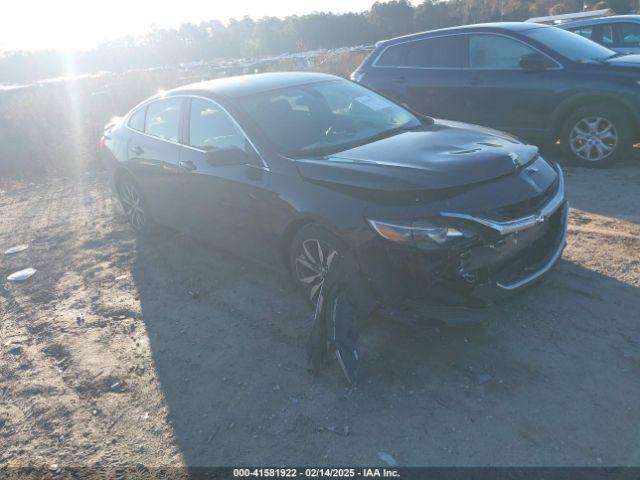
[{"x": 347, "y": 299}]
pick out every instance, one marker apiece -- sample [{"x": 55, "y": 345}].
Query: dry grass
[{"x": 52, "y": 129}]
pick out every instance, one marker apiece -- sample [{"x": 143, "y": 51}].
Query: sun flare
[{"x": 81, "y": 25}]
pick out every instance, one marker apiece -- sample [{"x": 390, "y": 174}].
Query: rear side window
[
  {"x": 163, "y": 118},
  {"x": 136, "y": 121},
  {"x": 393, "y": 56},
  {"x": 437, "y": 52},
  {"x": 494, "y": 51}
]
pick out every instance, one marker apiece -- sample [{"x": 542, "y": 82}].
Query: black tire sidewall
[{"x": 612, "y": 114}]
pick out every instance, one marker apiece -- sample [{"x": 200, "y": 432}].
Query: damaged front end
[
  {"x": 452, "y": 268},
  {"x": 491, "y": 255}
]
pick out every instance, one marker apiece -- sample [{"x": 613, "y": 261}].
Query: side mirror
[
  {"x": 534, "y": 62},
  {"x": 229, "y": 156}
]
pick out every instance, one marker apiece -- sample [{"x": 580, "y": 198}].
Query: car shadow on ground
[{"x": 544, "y": 381}]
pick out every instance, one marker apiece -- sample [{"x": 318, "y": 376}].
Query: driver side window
[
  {"x": 494, "y": 51},
  {"x": 211, "y": 128}
]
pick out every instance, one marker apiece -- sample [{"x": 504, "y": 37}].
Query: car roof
[
  {"x": 597, "y": 21},
  {"x": 478, "y": 27},
  {"x": 244, "y": 85}
]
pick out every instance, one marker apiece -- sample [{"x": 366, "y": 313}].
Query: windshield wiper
[
  {"x": 386, "y": 134},
  {"x": 614, "y": 55}
]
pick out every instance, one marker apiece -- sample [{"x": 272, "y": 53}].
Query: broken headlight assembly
[{"x": 421, "y": 234}]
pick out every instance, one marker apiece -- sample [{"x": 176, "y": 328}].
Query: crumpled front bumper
[
  {"x": 514, "y": 278},
  {"x": 467, "y": 284}
]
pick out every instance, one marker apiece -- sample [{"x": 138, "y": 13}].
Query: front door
[
  {"x": 425, "y": 74},
  {"x": 226, "y": 181},
  {"x": 499, "y": 93}
]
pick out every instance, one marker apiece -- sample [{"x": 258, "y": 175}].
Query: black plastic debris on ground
[{"x": 346, "y": 301}]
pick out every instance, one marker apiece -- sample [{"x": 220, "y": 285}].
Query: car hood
[
  {"x": 624, "y": 61},
  {"x": 442, "y": 155}
]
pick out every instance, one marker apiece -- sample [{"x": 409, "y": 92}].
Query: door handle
[
  {"x": 475, "y": 81},
  {"x": 187, "y": 165},
  {"x": 400, "y": 80},
  {"x": 138, "y": 150}
]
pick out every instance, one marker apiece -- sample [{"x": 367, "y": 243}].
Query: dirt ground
[{"x": 106, "y": 357}]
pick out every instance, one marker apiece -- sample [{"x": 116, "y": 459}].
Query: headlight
[{"x": 419, "y": 233}]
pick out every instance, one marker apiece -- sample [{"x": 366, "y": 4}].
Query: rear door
[
  {"x": 425, "y": 74},
  {"x": 153, "y": 155},
  {"x": 499, "y": 93}
]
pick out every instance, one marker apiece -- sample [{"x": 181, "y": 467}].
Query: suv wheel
[
  {"x": 313, "y": 249},
  {"x": 596, "y": 136}
]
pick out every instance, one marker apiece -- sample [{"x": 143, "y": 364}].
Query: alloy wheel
[
  {"x": 133, "y": 206},
  {"x": 312, "y": 264},
  {"x": 593, "y": 138}
]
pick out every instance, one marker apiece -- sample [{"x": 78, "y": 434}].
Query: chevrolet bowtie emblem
[{"x": 515, "y": 158}]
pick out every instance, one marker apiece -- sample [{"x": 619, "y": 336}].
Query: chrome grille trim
[
  {"x": 510, "y": 226},
  {"x": 547, "y": 266}
]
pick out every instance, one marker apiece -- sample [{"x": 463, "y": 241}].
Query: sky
[{"x": 81, "y": 25}]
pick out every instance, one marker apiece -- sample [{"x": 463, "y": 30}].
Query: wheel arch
[
  {"x": 121, "y": 172},
  {"x": 295, "y": 226},
  {"x": 566, "y": 108}
]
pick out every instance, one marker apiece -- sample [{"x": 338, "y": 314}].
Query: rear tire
[
  {"x": 596, "y": 136},
  {"x": 134, "y": 205},
  {"x": 313, "y": 250}
]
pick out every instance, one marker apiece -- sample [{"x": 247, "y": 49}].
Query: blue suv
[{"x": 535, "y": 81}]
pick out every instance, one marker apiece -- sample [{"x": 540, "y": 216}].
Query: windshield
[
  {"x": 325, "y": 117},
  {"x": 569, "y": 45}
]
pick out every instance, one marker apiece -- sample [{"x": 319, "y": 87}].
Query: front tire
[
  {"x": 313, "y": 250},
  {"x": 596, "y": 136},
  {"x": 134, "y": 205}
]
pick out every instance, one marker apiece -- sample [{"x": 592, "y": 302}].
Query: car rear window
[{"x": 438, "y": 52}]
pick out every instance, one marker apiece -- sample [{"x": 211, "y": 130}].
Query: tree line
[{"x": 213, "y": 40}]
